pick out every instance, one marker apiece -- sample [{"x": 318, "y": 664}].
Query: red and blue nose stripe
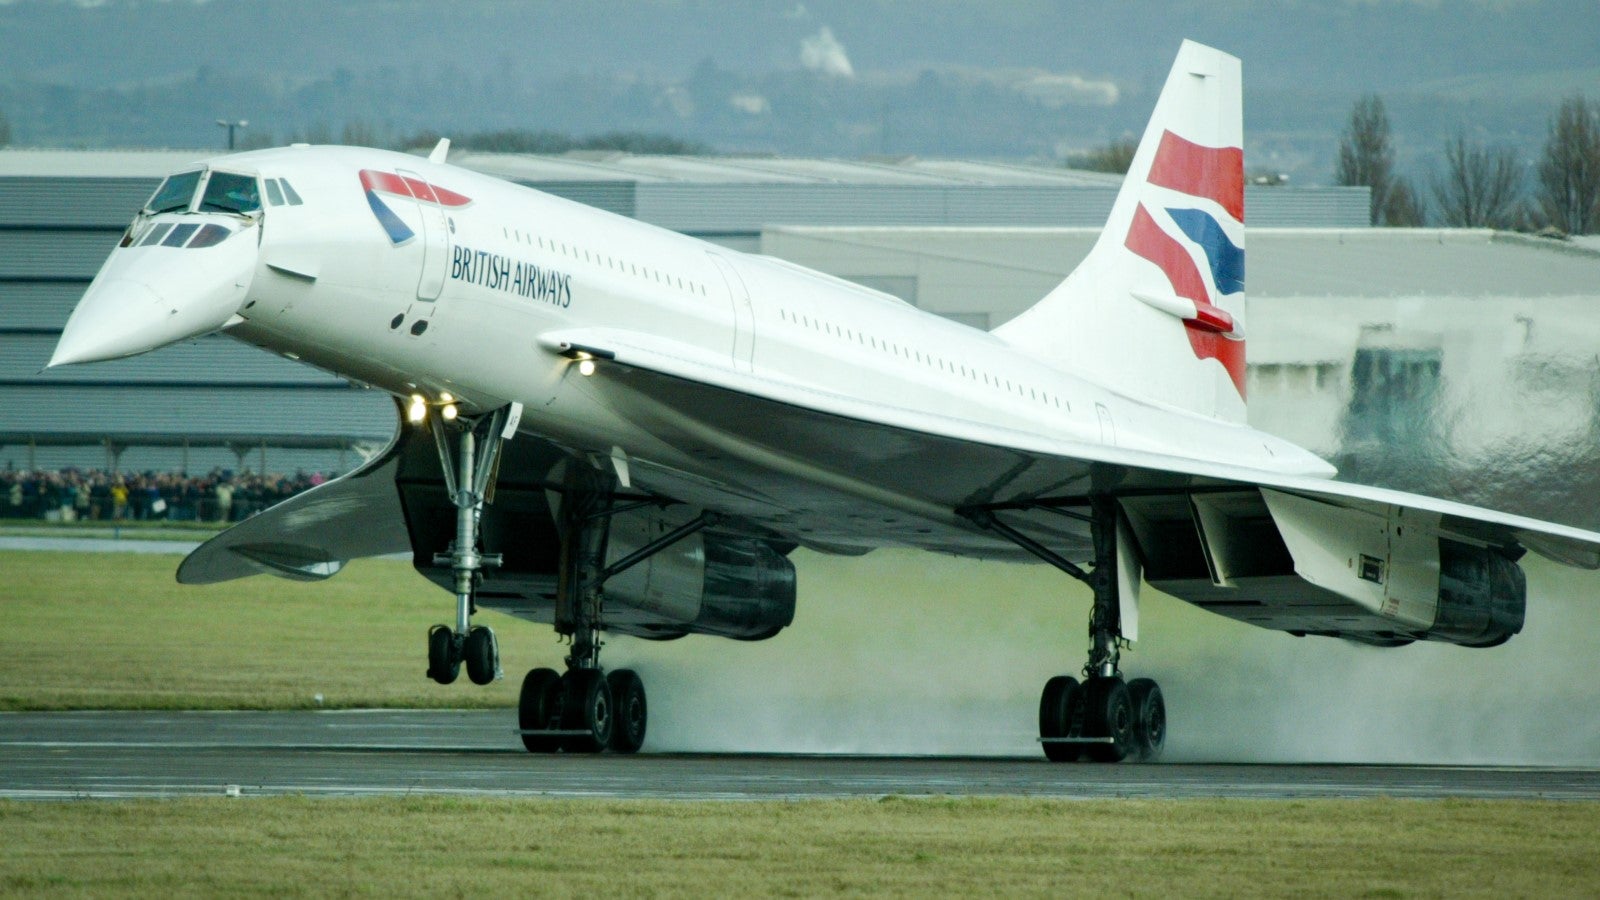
[{"x": 374, "y": 183}]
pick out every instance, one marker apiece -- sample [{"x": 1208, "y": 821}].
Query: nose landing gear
[{"x": 467, "y": 468}]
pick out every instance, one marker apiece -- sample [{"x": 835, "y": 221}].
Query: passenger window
[
  {"x": 274, "y": 194},
  {"x": 227, "y": 192},
  {"x": 175, "y": 193}
]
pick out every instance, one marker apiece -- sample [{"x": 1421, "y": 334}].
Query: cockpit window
[
  {"x": 209, "y": 236},
  {"x": 179, "y": 235},
  {"x": 274, "y": 193},
  {"x": 227, "y": 192},
  {"x": 174, "y": 193},
  {"x": 155, "y": 234}
]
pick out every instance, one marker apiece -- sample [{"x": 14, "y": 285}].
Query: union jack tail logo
[
  {"x": 1165, "y": 237},
  {"x": 374, "y": 183}
]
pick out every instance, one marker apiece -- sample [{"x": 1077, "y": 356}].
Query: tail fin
[{"x": 1155, "y": 310}]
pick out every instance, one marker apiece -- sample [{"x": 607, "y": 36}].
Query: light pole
[{"x": 231, "y": 126}]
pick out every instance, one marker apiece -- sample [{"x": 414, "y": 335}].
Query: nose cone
[
  {"x": 149, "y": 297},
  {"x": 116, "y": 317}
]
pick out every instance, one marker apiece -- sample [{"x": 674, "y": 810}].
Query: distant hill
[{"x": 1019, "y": 79}]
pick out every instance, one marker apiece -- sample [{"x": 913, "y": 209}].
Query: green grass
[
  {"x": 892, "y": 847},
  {"x": 114, "y": 631}
]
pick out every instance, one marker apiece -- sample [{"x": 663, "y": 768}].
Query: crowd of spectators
[{"x": 71, "y": 495}]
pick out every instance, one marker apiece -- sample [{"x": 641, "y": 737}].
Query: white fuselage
[{"x": 465, "y": 306}]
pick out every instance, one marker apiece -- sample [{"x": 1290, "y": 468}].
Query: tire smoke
[{"x": 907, "y": 653}]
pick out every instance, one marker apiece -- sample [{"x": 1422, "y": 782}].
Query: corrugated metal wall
[
  {"x": 72, "y": 202},
  {"x": 204, "y": 412},
  {"x": 212, "y": 360},
  {"x": 743, "y": 208}
]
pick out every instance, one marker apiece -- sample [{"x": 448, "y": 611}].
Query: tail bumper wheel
[
  {"x": 482, "y": 655},
  {"x": 631, "y": 712},
  {"x": 1059, "y": 706},
  {"x": 1149, "y": 719},
  {"x": 539, "y": 709},
  {"x": 1108, "y": 714},
  {"x": 587, "y": 708},
  {"x": 444, "y": 663}
]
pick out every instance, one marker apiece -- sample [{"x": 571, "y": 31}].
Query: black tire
[
  {"x": 482, "y": 655},
  {"x": 632, "y": 713},
  {"x": 443, "y": 664},
  {"x": 539, "y": 709},
  {"x": 1058, "y": 707},
  {"x": 1107, "y": 713},
  {"x": 1149, "y": 719},
  {"x": 587, "y": 707}
]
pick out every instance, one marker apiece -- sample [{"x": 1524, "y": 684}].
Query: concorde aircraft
[{"x": 614, "y": 428}]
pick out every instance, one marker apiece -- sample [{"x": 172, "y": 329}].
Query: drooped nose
[{"x": 149, "y": 297}]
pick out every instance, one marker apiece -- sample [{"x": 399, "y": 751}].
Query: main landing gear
[
  {"x": 587, "y": 710},
  {"x": 1103, "y": 717}
]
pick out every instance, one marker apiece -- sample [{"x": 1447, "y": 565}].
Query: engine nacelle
[
  {"x": 1483, "y": 596},
  {"x": 1380, "y": 575},
  {"x": 733, "y": 587}
]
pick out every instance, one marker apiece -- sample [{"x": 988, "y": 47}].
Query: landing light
[
  {"x": 449, "y": 412},
  {"x": 584, "y": 356},
  {"x": 418, "y": 409}
]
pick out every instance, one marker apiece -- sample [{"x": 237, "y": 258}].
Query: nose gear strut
[{"x": 468, "y": 466}]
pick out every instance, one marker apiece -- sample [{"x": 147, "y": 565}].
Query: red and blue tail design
[
  {"x": 1201, "y": 173},
  {"x": 1156, "y": 308},
  {"x": 374, "y": 182}
]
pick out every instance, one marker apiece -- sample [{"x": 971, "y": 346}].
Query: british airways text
[{"x": 502, "y": 273}]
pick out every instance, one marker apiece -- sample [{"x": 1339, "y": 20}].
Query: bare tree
[
  {"x": 1403, "y": 207},
  {"x": 1365, "y": 154},
  {"x": 1569, "y": 174},
  {"x": 1481, "y": 187},
  {"x": 5, "y": 130},
  {"x": 1114, "y": 157},
  {"x": 361, "y": 133}
]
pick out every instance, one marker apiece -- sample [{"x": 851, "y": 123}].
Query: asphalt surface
[
  {"x": 96, "y": 544},
  {"x": 146, "y": 754}
]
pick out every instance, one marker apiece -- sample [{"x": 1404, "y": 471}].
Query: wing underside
[{"x": 1291, "y": 553}]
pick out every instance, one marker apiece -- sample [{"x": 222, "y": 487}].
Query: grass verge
[
  {"x": 891, "y": 847},
  {"x": 114, "y": 631}
]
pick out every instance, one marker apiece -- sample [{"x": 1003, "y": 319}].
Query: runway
[{"x": 387, "y": 753}]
